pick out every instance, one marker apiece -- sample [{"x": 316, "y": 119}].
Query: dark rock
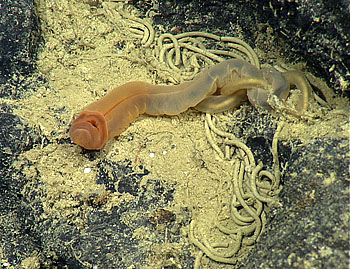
[
  {"x": 312, "y": 227},
  {"x": 18, "y": 44}
]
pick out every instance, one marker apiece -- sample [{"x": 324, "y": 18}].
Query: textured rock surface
[
  {"x": 311, "y": 230},
  {"x": 18, "y": 44}
]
